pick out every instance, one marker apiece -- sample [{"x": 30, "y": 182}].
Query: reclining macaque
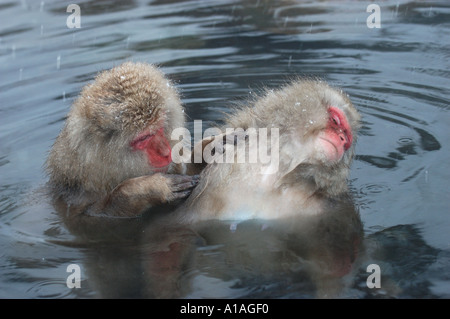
[
  {"x": 309, "y": 131},
  {"x": 113, "y": 156}
]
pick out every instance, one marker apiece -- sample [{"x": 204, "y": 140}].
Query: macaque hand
[
  {"x": 159, "y": 188},
  {"x": 181, "y": 185},
  {"x": 232, "y": 138},
  {"x": 135, "y": 195},
  {"x": 217, "y": 147}
]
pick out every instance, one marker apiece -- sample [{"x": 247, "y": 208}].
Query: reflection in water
[
  {"x": 404, "y": 258},
  {"x": 292, "y": 258},
  {"x": 159, "y": 258}
]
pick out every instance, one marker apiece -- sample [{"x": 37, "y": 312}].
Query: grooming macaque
[{"x": 113, "y": 156}]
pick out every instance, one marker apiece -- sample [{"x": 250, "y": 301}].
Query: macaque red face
[
  {"x": 337, "y": 137},
  {"x": 156, "y": 147}
]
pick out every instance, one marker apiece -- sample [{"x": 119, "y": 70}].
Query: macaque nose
[
  {"x": 162, "y": 146},
  {"x": 343, "y": 139}
]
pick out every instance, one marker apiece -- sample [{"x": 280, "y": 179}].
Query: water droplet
[
  {"x": 374, "y": 189},
  {"x": 297, "y": 104},
  {"x": 20, "y": 74},
  {"x": 290, "y": 60},
  {"x": 64, "y": 96},
  {"x": 122, "y": 77},
  {"x": 311, "y": 122},
  {"x": 42, "y": 6},
  {"x": 42, "y": 29},
  {"x": 13, "y": 51},
  {"x": 58, "y": 61}
]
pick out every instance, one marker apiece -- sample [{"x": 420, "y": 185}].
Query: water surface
[{"x": 219, "y": 52}]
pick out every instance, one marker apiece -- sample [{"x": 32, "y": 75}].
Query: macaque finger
[
  {"x": 182, "y": 194},
  {"x": 176, "y": 179},
  {"x": 182, "y": 183},
  {"x": 234, "y": 137}
]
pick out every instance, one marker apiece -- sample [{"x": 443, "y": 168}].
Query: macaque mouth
[
  {"x": 156, "y": 147},
  {"x": 338, "y": 122},
  {"x": 327, "y": 140}
]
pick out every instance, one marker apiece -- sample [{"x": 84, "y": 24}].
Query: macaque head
[
  {"x": 318, "y": 124},
  {"x": 323, "y": 138},
  {"x": 317, "y": 130},
  {"x": 118, "y": 128}
]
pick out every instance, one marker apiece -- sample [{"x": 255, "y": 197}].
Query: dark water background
[{"x": 217, "y": 52}]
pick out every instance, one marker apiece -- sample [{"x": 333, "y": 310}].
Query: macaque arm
[{"x": 134, "y": 196}]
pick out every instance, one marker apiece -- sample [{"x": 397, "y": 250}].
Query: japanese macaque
[
  {"x": 311, "y": 130},
  {"x": 302, "y": 190},
  {"x": 113, "y": 156}
]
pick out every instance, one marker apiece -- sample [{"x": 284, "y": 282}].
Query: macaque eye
[
  {"x": 141, "y": 141},
  {"x": 336, "y": 119},
  {"x": 142, "y": 138}
]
